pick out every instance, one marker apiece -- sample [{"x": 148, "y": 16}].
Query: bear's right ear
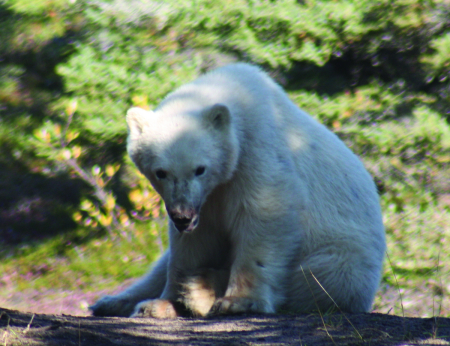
[
  {"x": 218, "y": 117},
  {"x": 136, "y": 120}
]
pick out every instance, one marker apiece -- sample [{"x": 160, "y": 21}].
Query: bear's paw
[
  {"x": 239, "y": 305},
  {"x": 113, "y": 306},
  {"x": 157, "y": 308}
]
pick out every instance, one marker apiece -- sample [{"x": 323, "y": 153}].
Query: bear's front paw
[
  {"x": 113, "y": 306},
  {"x": 239, "y": 305},
  {"x": 157, "y": 308}
]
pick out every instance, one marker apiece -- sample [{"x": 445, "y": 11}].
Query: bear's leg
[
  {"x": 124, "y": 303},
  {"x": 199, "y": 291},
  {"x": 245, "y": 294},
  {"x": 259, "y": 271},
  {"x": 351, "y": 279}
]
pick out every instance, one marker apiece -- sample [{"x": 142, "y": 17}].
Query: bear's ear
[
  {"x": 218, "y": 116},
  {"x": 136, "y": 119}
]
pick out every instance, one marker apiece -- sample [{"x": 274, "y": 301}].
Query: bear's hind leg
[{"x": 351, "y": 282}]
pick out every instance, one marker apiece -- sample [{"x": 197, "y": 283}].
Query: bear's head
[{"x": 185, "y": 152}]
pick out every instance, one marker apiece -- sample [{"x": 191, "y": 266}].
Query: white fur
[{"x": 282, "y": 204}]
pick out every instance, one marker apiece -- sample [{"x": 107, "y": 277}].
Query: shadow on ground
[{"x": 18, "y": 328}]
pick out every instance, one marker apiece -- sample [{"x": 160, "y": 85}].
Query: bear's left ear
[
  {"x": 217, "y": 116},
  {"x": 136, "y": 119}
]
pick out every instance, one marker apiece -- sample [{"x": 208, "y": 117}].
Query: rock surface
[{"x": 20, "y": 328}]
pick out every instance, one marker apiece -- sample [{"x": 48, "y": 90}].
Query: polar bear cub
[{"x": 268, "y": 209}]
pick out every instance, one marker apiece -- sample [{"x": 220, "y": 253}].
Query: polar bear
[{"x": 268, "y": 210}]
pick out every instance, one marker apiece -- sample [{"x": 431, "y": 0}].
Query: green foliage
[
  {"x": 376, "y": 72},
  {"x": 57, "y": 144},
  {"x": 106, "y": 87},
  {"x": 440, "y": 60},
  {"x": 37, "y": 7},
  {"x": 75, "y": 266}
]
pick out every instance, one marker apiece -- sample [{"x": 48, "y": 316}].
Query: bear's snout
[{"x": 184, "y": 219}]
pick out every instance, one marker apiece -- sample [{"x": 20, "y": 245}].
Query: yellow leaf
[
  {"x": 42, "y": 135},
  {"x": 105, "y": 220},
  {"x": 140, "y": 101},
  {"x": 100, "y": 182},
  {"x": 57, "y": 129},
  {"x": 71, "y": 135},
  {"x": 77, "y": 216},
  {"x": 94, "y": 212},
  {"x": 76, "y": 152},
  {"x": 110, "y": 171},
  {"x": 86, "y": 205},
  {"x": 124, "y": 220},
  {"x": 71, "y": 107},
  {"x": 110, "y": 202},
  {"x": 135, "y": 196}
]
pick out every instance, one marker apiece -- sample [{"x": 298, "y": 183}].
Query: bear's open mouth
[{"x": 187, "y": 227}]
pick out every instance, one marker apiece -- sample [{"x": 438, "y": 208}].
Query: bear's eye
[
  {"x": 161, "y": 174},
  {"x": 200, "y": 170}
]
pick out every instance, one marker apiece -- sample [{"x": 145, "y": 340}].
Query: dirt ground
[{"x": 19, "y": 328}]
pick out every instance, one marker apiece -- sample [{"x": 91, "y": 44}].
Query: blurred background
[{"x": 78, "y": 221}]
